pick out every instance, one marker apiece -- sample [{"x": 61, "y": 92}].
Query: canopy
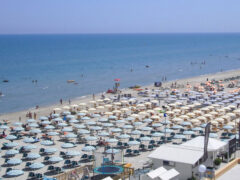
[{"x": 155, "y": 173}]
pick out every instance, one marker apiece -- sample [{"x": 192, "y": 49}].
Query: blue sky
[{"x": 118, "y": 16}]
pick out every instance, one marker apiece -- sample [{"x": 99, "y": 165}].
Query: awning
[{"x": 157, "y": 172}]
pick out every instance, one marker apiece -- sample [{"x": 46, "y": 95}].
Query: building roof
[
  {"x": 177, "y": 153},
  {"x": 198, "y": 142},
  {"x": 157, "y": 172},
  {"x": 169, "y": 174}
]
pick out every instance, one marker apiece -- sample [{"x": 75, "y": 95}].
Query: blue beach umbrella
[
  {"x": 43, "y": 118},
  {"x": 50, "y": 150},
  {"x": 124, "y": 136},
  {"x": 4, "y": 127},
  {"x": 228, "y": 127},
  {"x": 107, "y": 125},
  {"x": 11, "y": 144},
  {"x": 73, "y": 153},
  {"x": 47, "y": 143},
  {"x": 17, "y": 124},
  {"x": 74, "y": 121},
  {"x": 103, "y": 120},
  {"x": 67, "y": 145},
  {"x": 103, "y": 133},
  {"x": 55, "y": 159},
  {"x": 197, "y": 129},
  {"x": 29, "y": 147},
  {"x": 177, "y": 127},
  {"x": 146, "y": 128},
  {"x": 53, "y": 133},
  {"x": 213, "y": 135},
  {"x": 116, "y": 130},
  {"x": 14, "y": 173},
  {"x": 70, "y": 135},
  {"x": 136, "y": 132},
  {"x": 33, "y": 125},
  {"x": 62, "y": 124},
  {"x": 96, "y": 128},
  {"x": 127, "y": 127},
  {"x": 167, "y": 130},
  {"x": 14, "y": 161},
  {"x": 129, "y": 118},
  {"x": 18, "y": 129},
  {"x": 112, "y": 140},
  {"x": 156, "y": 125},
  {"x": 179, "y": 136},
  {"x": 28, "y": 140},
  {"x": 90, "y": 123},
  {"x": 88, "y": 148},
  {"x": 31, "y": 120},
  {"x": 45, "y": 122},
  {"x": 81, "y": 114},
  {"x": 112, "y": 151},
  {"x": 49, "y": 127},
  {"x": 91, "y": 138},
  {"x": 112, "y": 117},
  {"x": 145, "y": 138},
  {"x": 156, "y": 134},
  {"x": 33, "y": 156},
  {"x": 83, "y": 131},
  {"x": 67, "y": 129},
  {"x": 35, "y": 131},
  {"x": 79, "y": 126},
  {"x": 188, "y": 132},
  {"x": 147, "y": 120},
  {"x": 36, "y": 165},
  {"x": 186, "y": 123},
  {"x": 133, "y": 143},
  {"x": 85, "y": 118},
  {"x": 137, "y": 123},
  {"x": 121, "y": 121},
  {"x": 11, "y": 137},
  {"x": 11, "y": 152}
]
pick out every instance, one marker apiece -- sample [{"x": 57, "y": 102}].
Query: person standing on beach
[
  {"x": 93, "y": 96},
  {"x": 69, "y": 101},
  {"x": 35, "y": 115},
  {"x": 61, "y": 101}
]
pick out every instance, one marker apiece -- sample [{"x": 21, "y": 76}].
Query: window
[{"x": 168, "y": 163}]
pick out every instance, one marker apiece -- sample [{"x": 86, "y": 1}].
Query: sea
[{"x": 37, "y": 67}]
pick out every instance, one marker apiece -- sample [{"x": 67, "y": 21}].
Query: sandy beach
[{"x": 136, "y": 162}]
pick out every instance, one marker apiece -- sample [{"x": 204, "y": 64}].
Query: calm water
[{"x": 93, "y": 61}]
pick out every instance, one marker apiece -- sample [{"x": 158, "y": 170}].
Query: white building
[{"x": 185, "y": 158}]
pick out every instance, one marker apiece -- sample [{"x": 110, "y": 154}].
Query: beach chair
[
  {"x": 84, "y": 157},
  {"x": 136, "y": 152},
  {"x": 119, "y": 144},
  {"x": 58, "y": 170},
  {"x": 159, "y": 143},
  {"x": 27, "y": 165},
  {"x": 74, "y": 164},
  {"x": 91, "y": 158},
  {"x": 141, "y": 147},
  {"x": 50, "y": 168},
  {"x": 138, "y": 140},
  {"x": 125, "y": 145},
  {"x": 152, "y": 142},
  {"x": 24, "y": 155},
  {"x": 63, "y": 154},
  {"x": 31, "y": 175},
  {"x": 46, "y": 158},
  {"x": 142, "y": 135},
  {"x": 150, "y": 147},
  {"x": 67, "y": 162},
  {"x": 6, "y": 160},
  {"x": 41, "y": 150},
  {"x": 8, "y": 169},
  {"x": 128, "y": 151},
  {"x": 39, "y": 176},
  {"x": 131, "y": 139}
]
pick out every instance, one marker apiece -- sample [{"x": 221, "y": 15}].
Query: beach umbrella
[
  {"x": 179, "y": 136},
  {"x": 103, "y": 120},
  {"x": 11, "y": 152},
  {"x": 29, "y": 147},
  {"x": 137, "y": 123},
  {"x": 74, "y": 121},
  {"x": 107, "y": 125},
  {"x": 156, "y": 125},
  {"x": 66, "y": 107},
  {"x": 55, "y": 159},
  {"x": 228, "y": 127},
  {"x": 82, "y": 104},
  {"x": 147, "y": 120},
  {"x": 145, "y": 138},
  {"x": 11, "y": 144},
  {"x": 116, "y": 130},
  {"x": 14, "y": 161},
  {"x": 157, "y": 134},
  {"x": 18, "y": 129},
  {"x": 70, "y": 135},
  {"x": 129, "y": 119},
  {"x": 127, "y": 127},
  {"x": 43, "y": 118},
  {"x": 112, "y": 140},
  {"x": 124, "y": 136},
  {"x": 31, "y": 120},
  {"x": 67, "y": 145},
  {"x": 83, "y": 131},
  {"x": 146, "y": 128},
  {"x": 50, "y": 150},
  {"x": 33, "y": 156},
  {"x": 112, "y": 151},
  {"x": 11, "y": 137},
  {"x": 48, "y": 127},
  {"x": 197, "y": 129},
  {"x": 67, "y": 129},
  {"x": 45, "y": 122},
  {"x": 91, "y": 123},
  {"x": 91, "y": 138},
  {"x": 213, "y": 135},
  {"x": 65, "y": 113},
  {"x": 52, "y": 133},
  {"x": 4, "y": 127},
  {"x": 57, "y": 119},
  {"x": 103, "y": 133},
  {"x": 88, "y": 148},
  {"x": 203, "y": 125},
  {"x": 112, "y": 117},
  {"x": 36, "y": 165},
  {"x": 47, "y": 143},
  {"x": 35, "y": 131},
  {"x": 73, "y": 153},
  {"x": 108, "y": 113},
  {"x": 81, "y": 114},
  {"x": 177, "y": 120},
  {"x": 121, "y": 121},
  {"x": 96, "y": 128},
  {"x": 136, "y": 132},
  {"x": 28, "y": 140},
  {"x": 14, "y": 173},
  {"x": 17, "y": 124},
  {"x": 33, "y": 125},
  {"x": 177, "y": 127},
  {"x": 188, "y": 132},
  {"x": 166, "y": 122},
  {"x": 62, "y": 125},
  {"x": 55, "y": 115},
  {"x": 186, "y": 123},
  {"x": 167, "y": 130},
  {"x": 133, "y": 143},
  {"x": 79, "y": 126},
  {"x": 195, "y": 121},
  {"x": 69, "y": 116}
]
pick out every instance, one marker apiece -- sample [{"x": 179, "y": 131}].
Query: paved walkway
[{"x": 232, "y": 174}]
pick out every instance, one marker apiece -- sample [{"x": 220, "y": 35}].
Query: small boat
[{"x": 70, "y": 81}]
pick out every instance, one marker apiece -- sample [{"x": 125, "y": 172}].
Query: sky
[{"x": 118, "y": 16}]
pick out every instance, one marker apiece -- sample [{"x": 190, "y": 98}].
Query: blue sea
[{"x": 93, "y": 61}]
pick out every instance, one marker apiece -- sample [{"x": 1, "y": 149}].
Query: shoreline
[{"x": 45, "y": 110}]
